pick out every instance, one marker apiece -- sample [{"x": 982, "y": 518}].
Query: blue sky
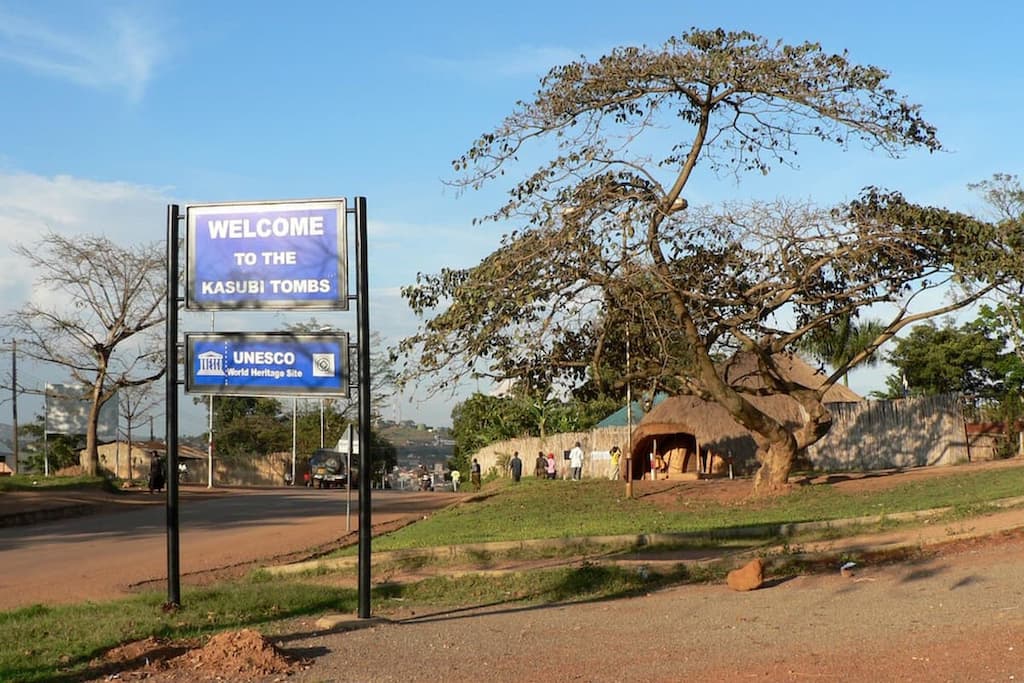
[{"x": 114, "y": 109}]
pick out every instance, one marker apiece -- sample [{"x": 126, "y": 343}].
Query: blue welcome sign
[
  {"x": 278, "y": 254},
  {"x": 243, "y": 364}
]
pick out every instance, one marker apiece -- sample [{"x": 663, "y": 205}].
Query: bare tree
[
  {"x": 138, "y": 402},
  {"x": 94, "y": 311},
  {"x": 607, "y": 245}
]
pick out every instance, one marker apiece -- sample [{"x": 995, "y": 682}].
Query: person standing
[
  {"x": 576, "y": 462},
  {"x": 516, "y": 466},
  {"x": 456, "y": 475},
  {"x": 551, "y": 468},
  {"x": 613, "y": 472},
  {"x": 540, "y": 467},
  {"x": 474, "y": 475},
  {"x": 157, "y": 472}
]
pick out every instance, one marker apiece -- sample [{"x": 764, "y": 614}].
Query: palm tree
[{"x": 837, "y": 346}]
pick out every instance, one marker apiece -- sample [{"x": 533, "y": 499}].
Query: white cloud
[
  {"x": 128, "y": 213},
  {"x": 121, "y": 52},
  {"x": 31, "y": 205}
]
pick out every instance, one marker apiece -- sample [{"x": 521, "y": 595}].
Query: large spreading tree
[{"x": 604, "y": 244}]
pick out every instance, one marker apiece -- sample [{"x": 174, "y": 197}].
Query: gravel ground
[{"x": 957, "y": 616}]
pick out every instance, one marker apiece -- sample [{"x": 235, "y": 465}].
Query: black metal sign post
[
  {"x": 363, "y": 328},
  {"x": 171, "y": 386},
  {"x": 303, "y": 220}
]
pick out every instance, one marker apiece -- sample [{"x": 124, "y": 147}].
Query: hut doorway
[{"x": 666, "y": 456}]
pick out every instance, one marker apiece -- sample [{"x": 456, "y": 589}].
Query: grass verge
[
  {"x": 541, "y": 509},
  {"x": 63, "y": 643}
]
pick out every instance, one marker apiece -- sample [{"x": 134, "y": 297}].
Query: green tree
[
  {"x": 58, "y": 450},
  {"x": 838, "y": 345},
  {"x": 245, "y": 425},
  {"x": 971, "y": 360},
  {"x": 481, "y": 420},
  {"x": 602, "y": 225}
]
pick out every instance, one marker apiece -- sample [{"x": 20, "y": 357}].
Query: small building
[
  {"x": 686, "y": 437},
  {"x": 8, "y": 464},
  {"x": 131, "y": 460}
]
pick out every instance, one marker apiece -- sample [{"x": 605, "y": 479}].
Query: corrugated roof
[{"x": 620, "y": 419}]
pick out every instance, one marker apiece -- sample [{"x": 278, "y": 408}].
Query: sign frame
[
  {"x": 203, "y": 264},
  {"x": 286, "y": 340}
]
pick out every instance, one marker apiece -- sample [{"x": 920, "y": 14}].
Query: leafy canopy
[{"x": 607, "y": 249}]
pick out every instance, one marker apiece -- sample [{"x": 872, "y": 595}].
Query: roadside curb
[
  {"x": 26, "y": 517},
  {"x": 601, "y": 547}
]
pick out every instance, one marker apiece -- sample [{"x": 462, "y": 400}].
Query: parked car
[{"x": 327, "y": 469}]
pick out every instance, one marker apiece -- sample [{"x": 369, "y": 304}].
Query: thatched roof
[
  {"x": 741, "y": 370},
  {"x": 714, "y": 428}
]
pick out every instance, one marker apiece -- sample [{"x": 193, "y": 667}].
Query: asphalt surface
[{"x": 90, "y": 545}]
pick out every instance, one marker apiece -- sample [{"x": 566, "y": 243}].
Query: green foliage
[
  {"x": 840, "y": 345},
  {"x": 971, "y": 359},
  {"x": 481, "y": 420},
  {"x": 244, "y": 426},
  {"x": 606, "y": 250},
  {"x": 59, "y": 450}
]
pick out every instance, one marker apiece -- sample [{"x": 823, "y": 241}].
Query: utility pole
[{"x": 14, "y": 401}]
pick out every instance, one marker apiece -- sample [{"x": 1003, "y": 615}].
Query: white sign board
[
  {"x": 342, "y": 446},
  {"x": 67, "y": 412}
]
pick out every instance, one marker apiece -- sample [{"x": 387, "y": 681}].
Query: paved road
[{"x": 105, "y": 555}]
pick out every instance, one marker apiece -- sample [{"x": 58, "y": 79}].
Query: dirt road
[{"x": 957, "y": 617}]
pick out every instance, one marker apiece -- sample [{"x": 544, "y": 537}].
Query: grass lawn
[
  {"x": 30, "y": 482},
  {"x": 556, "y": 509}
]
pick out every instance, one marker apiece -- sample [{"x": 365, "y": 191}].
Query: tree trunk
[
  {"x": 90, "y": 459},
  {"x": 776, "y": 463}
]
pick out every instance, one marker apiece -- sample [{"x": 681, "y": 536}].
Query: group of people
[{"x": 545, "y": 467}]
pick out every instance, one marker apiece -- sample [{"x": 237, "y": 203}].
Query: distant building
[{"x": 8, "y": 465}]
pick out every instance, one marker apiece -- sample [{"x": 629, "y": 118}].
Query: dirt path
[{"x": 957, "y": 616}]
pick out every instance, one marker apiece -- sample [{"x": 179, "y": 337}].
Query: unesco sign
[{"x": 243, "y": 364}]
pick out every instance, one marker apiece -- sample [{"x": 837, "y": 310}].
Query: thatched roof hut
[{"x": 691, "y": 435}]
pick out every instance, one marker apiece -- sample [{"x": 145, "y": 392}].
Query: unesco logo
[{"x": 323, "y": 365}]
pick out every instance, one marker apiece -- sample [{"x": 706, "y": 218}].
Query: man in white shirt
[{"x": 576, "y": 461}]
